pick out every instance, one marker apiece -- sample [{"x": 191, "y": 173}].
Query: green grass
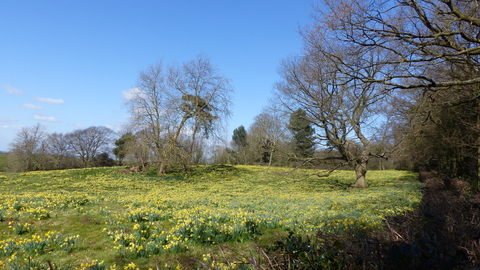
[{"x": 103, "y": 215}]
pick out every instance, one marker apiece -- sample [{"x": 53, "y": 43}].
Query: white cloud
[
  {"x": 50, "y": 100},
  {"x": 7, "y": 119},
  {"x": 133, "y": 93},
  {"x": 44, "y": 118},
  {"x": 14, "y": 127},
  {"x": 13, "y": 90},
  {"x": 31, "y": 106},
  {"x": 117, "y": 127}
]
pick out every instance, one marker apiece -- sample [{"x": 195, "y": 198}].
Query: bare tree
[
  {"x": 418, "y": 35},
  {"x": 327, "y": 84},
  {"x": 266, "y": 133},
  {"x": 138, "y": 152},
  {"x": 148, "y": 104},
  {"x": 433, "y": 47},
  {"x": 88, "y": 143},
  {"x": 166, "y": 102},
  {"x": 27, "y": 149},
  {"x": 58, "y": 147}
]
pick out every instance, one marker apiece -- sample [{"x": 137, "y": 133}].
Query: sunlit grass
[{"x": 104, "y": 217}]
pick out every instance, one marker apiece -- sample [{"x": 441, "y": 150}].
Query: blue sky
[{"x": 65, "y": 64}]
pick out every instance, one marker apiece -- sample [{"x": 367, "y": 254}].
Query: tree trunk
[
  {"x": 360, "y": 173},
  {"x": 190, "y": 151},
  {"x": 244, "y": 157},
  {"x": 171, "y": 146},
  {"x": 163, "y": 167},
  {"x": 270, "y": 159}
]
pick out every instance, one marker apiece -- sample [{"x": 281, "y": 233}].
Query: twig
[
  {"x": 395, "y": 232},
  {"x": 252, "y": 259},
  {"x": 266, "y": 256}
]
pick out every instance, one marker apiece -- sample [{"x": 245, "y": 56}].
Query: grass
[{"x": 104, "y": 215}]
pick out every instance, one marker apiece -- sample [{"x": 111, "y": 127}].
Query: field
[{"x": 106, "y": 218}]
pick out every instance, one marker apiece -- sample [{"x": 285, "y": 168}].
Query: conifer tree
[
  {"x": 240, "y": 141},
  {"x": 303, "y": 134}
]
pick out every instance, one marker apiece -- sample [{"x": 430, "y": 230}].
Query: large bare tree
[
  {"x": 432, "y": 47},
  {"x": 327, "y": 82},
  {"x": 376, "y": 47},
  {"x": 187, "y": 98},
  {"x": 341, "y": 108},
  {"x": 87, "y": 143}
]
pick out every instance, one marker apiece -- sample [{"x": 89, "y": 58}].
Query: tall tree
[
  {"x": 87, "y": 143},
  {"x": 166, "y": 100},
  {"x": 326, "y": 83},
  {"x": 303, "y": 134},
  {"x": 202, "y": 123},
  {"x": 432, "y": 46},
  {"x": 148, "y": 104},
  {"x": 240, "y": 141},
  {"x": 27, "y": 149}
]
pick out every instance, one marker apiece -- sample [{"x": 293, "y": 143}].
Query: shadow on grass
[{"x": 443, "y": 233}]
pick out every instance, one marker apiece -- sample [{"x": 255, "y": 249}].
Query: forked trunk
[
  {"x": 163, "y": 168},
  {"x": 360, "y": 172},
  {"x": 172, "y": 141}
]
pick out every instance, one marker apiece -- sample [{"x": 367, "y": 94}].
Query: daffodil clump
[
  {"x": 36, "y": 244},
  {"x": 139, "y": 218}
]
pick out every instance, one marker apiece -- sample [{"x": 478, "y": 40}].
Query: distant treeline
[{"x": 35, "y": 149}]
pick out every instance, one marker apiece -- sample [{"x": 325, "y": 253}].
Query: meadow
[{"x": 106, "y": 218}]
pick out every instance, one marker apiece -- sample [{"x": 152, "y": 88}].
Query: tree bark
[
  {"x": 270, "y": 158},
  {"x": 360, "y": 173},
  {"x": 163, "y": 167}
]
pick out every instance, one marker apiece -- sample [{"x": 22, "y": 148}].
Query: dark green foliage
[
  {"x": 152, "y": 171},
  {"x": 252, "y": 228},
  {"x": 121, "y": 150},
  {"x": 319, "y": 252},
  {"x": 240, "y": 137},
  {"x": 103, "y": 160},
  {"x": 449, "y": 143},
  {"x": 240, "y": 140},
  {"x": 303, "y": 132}
]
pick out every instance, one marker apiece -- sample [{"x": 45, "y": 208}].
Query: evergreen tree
[
  {"x": 121, "y": 150},
  {"x": 303, "y": 132},
  {"x": 240, "y": 141}
]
